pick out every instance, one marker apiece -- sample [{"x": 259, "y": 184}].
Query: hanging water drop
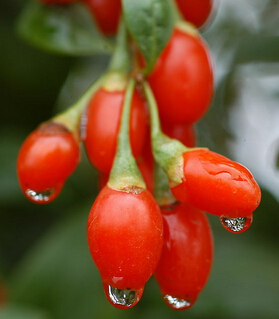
[
  {"x": 122, "y": 299},
  {"x": 43, "y": 197},
  {"x": 236, "y": 225},
  {"x": 177, "y": 303}
]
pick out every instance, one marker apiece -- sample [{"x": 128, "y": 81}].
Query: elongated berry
[
  {"x": 187, "y": 255},
  {"x": 106, "y": 14},
  {"x": 46, "y": 159},
  {"x": 103, "y": 120},
  {"x": 182, "y": 79},
  {"x": 125, "y": 237},
  {"x": 215, "y": 184},
  {"x": 196, "y": 12}
]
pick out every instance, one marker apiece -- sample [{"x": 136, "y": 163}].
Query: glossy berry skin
[
  {"x": 187, "y": 254},
  {"x": 182, "y": 132},
  {"x": 217, "y": 185},
  {"x": 103, "y": 119},
  {"x": 182, "y": 79},
  {"x": 106, "y": 14},
  {"x": 125, "y": 236},
  {"x": 196, "y": 12},
  {"x": 46, "y": 159}
]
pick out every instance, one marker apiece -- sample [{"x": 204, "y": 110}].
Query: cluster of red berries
[{"x": 131, "y": 235}]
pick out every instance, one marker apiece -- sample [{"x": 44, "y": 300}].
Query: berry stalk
[
  {"x": 125, "y": 172},
  {"x": 166, "y": 151}
]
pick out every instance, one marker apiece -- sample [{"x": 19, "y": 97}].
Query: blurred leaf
[
  {"x": 10, "y": 140},
  {"x": 266, "y": 220},
  {"x": 13, "y": 311},
  {"x": 244, "y": 278},
  {"x": 81, "y": 75},
  {"x": 150, "y": 23},
  {"x": 258, "y": 48},
  {"x": 213, "y": 129},
  {"x": 59, "y": 275},
  {"x": 64, "y": 29},
  {"x": 29, "y": 80}
]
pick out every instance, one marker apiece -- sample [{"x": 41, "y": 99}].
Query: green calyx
[
  {"x": 125, "y": 175},
  {"x": 188, "y": 28},
  {"x": 115, "y": 81},
  {"x": 167, "y": 152},
  {"x": 182, "y": 24}
]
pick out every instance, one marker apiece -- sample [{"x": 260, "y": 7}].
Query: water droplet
[
  {"x": 177, "y": 303},
  {"x": 122, "y": 299},
  {"x": 43, "y": 197},
  {"x": 236, "y": 225}
]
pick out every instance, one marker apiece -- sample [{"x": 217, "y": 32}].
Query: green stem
[
  {"x": 121, "y": 59},
  {"x": 114, "y": 79},
  {"x": 125, "y": 174},
  {"x": 120, "y": 65},
  {"x": 156, "y": 131},
  {"x": 71, "y": 117},
  {"x": 167, "y": 152}
]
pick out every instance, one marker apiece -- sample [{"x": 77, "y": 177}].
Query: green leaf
[
  {"x": 258, "y": 49},
  {"x": 13, "y": 311},
  {"x": 58, "y": 275},
  {"x": 81, "y": 75},
  {"x": 63, "y": 29},
  {"x": 151, "y": 23}
]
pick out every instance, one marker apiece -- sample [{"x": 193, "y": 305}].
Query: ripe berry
[
  {"x": 217, "y": 185},
  {"x": 106, "y": 14},
  {"x": 196, "y": 12},
  {"x": 103, "y": 119},
  {"x": 125, "y": 236},
  {"x": 45, "y": 160},
  {"x": 182, "y": 79},
  {"x": 187, "y": 255}
]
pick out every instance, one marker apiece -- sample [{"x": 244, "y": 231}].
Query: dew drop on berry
[
  {"x": 176, "y": 303},
  {"x": 236, "y": 225},
  {"x": 42, "y": 197},
  {"x": 123, "y": 298}
]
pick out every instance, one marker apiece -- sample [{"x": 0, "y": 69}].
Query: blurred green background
[{"x": 45, "y": 268}]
